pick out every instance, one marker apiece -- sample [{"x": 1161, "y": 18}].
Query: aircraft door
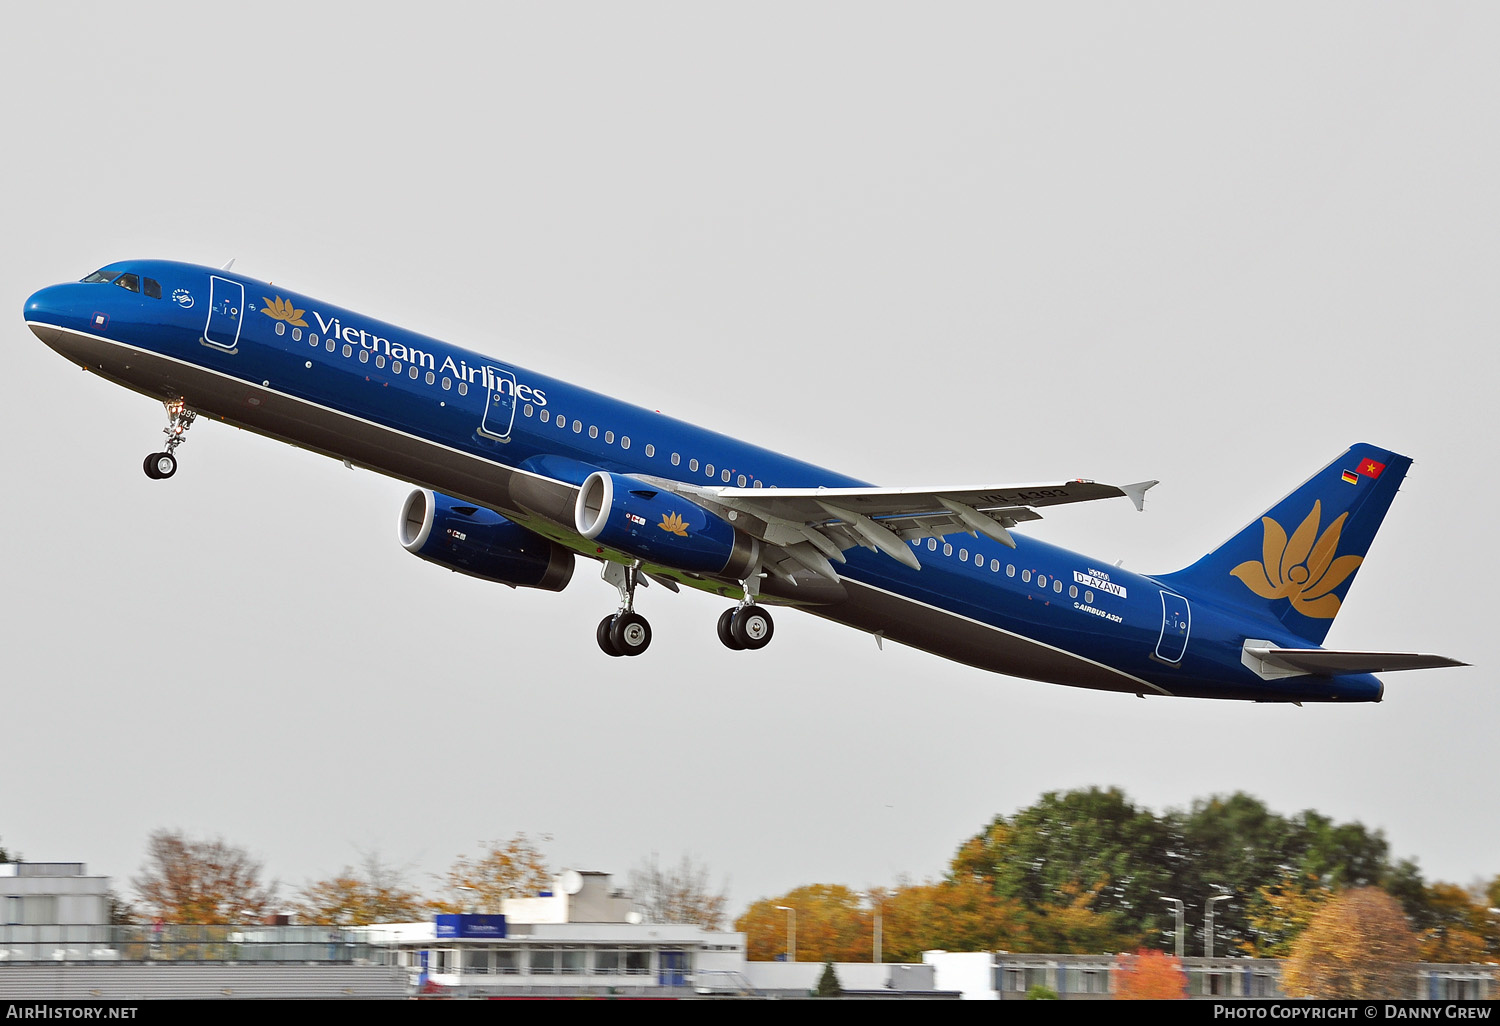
[
  {"x": 226, "y": 301},
  {"x": 500, "y": 408},
  {"x": 1176, "y": 622}
]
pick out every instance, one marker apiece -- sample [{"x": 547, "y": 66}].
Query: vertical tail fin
[{"x": 1296, "y": 562}]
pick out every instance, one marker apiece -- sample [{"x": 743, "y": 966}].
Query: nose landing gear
[
  {"x": 626, "y": 633},
  {"x": 161, "y": 465}
]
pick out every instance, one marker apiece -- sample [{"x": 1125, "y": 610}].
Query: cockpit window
[
  {"x": 151, "y": 287},
  {"x": 129, "y": 281},
  {"x": 105, "y": 275}
]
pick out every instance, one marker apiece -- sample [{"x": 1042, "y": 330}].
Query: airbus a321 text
[{"x": 519, "y": 474}]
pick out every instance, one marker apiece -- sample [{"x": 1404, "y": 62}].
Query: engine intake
[
  {"x": 473, "y": 540},
  {"x": 661, "y": 527}
]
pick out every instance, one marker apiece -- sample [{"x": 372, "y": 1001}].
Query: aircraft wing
[{"x": 814, "y": 526}]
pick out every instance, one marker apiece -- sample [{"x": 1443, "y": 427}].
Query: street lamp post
[
  {"x": 875, "y": 905},
  {"x": 1208, "y": 929},
  {"x": 1178, "y": 903},
  {"x": 791, "y": 932}
]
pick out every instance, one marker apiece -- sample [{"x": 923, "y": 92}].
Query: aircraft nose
[{"x": 46, "y": 308}]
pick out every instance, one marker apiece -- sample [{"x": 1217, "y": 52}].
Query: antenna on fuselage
[{"x": 230, "y": 264}]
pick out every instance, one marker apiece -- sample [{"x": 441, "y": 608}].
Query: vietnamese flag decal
[{"x": 1370, "y": 468}]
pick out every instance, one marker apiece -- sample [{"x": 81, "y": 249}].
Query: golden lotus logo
[
  {"x": 1301, "y": 568},
  {"x": 673, "y": 523},
  {"x": 281, "y": 310}
]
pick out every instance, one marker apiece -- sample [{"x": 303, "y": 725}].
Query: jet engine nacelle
[
  {"x": 479, "y": 542},
  {"x": 661, "y": 527}
]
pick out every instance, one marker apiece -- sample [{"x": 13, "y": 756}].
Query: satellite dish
[{"x": 571, "y": 882}]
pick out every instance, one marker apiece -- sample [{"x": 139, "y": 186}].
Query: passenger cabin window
[{"x": 129, "y": 281}]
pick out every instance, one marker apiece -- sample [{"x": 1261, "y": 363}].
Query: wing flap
[{"x": 809, "y": 527}]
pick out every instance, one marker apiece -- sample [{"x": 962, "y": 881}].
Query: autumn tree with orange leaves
[
  {"x": 1149, "y": 975},
  {"x": 503, "y": 869},
  {"x": 203, "y": 882},
  {"x": 374, "y": 893},
  {"x": 1358, "y": 946},
  {"x": 963, "y": 914},
  {"x": 831, "y": 926}
]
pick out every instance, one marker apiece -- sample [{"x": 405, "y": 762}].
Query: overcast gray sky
[{"x": 1211, "y": 244}]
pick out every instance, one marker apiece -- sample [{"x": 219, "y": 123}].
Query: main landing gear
[
  {"x": 746, "y": 627},
  {"x": 626, "y": 633},
  {"x": 161, "y": 465}
]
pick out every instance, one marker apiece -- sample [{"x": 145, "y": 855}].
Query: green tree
[
  {"x": 1340, "y": 854},
  {"x": 1359, "y": 946},
  {"x": 1235, "y": 846},
  {"x": 1091, "y": 846},
  {"x": 828, "y": 983},
  {"x": 1226, "y": 845},
  {"x": 1090, "y": 869}
]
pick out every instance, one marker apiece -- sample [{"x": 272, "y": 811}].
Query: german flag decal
[{"x": 1350, "y": 477}]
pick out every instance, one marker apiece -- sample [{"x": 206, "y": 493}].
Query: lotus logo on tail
[
  {"x": 282, "y": 310},
  {"x": 1301, "y": 568},
  {"x": 673, "y": 523}
]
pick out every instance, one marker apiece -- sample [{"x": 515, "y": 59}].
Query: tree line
[
  {"x": 1089, "y": 871},
  {"x": 187, "y": 880},
  {"x": 1082, "y": 871}
]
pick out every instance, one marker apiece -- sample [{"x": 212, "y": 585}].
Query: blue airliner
[{"x": 519, "y": 474}]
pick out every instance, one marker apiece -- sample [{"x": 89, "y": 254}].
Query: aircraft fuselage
[{"x": 520, "y": 443}]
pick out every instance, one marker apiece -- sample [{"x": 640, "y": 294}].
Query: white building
[
  {"x": 52, "y": 911},
  {"x": 583, "y": 937}
]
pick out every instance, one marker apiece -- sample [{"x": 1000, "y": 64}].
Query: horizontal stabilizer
[{"x": 1286, "y": 662}]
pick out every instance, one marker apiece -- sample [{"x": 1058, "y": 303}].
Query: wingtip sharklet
[{"x": 1137, "y": 493}]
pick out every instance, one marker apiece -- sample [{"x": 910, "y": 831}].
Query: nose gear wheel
[{"x": 161, "y": 465}]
